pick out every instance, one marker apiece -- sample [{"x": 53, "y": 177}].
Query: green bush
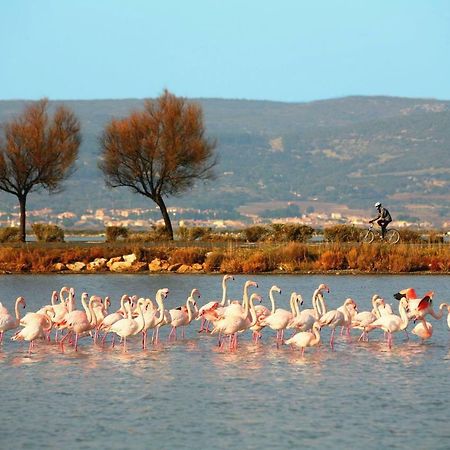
[
  {"x": 48, "y": 232},
  {"x": 255, "y": 233},
  {"x": 116, "y": 232},
  {"x": 342, "y": 233},
  {"x": 290, "y": 232},
  {"x": 9, "y": 234},
  {"x": 194, "y": 233}
]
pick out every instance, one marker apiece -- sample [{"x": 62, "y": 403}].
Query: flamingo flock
[{"x": 61, "y": 322}]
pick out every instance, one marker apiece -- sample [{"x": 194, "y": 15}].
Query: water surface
[{"x": 191, "y": 395}]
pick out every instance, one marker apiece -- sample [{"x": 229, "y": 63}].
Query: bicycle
[{"x": 392, "y": 236}]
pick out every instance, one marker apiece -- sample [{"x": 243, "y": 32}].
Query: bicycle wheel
[
  {"x": 392, "y": 236},
  {"x": 368, "y": 237}
]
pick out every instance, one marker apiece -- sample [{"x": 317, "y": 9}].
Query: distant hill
[{"x": 348, "y": 151}]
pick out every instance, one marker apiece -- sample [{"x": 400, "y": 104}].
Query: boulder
[
  {"x": 97, "y": 264},
  {"x": 139, "y": 266},
  {"x": 58, "y": 267},
  {"x": 174, "y": 267},
  {"x": 120, "y": 266},
  {"x": 184, "y": 268},
  {"x": 197, "y": 267},
  {"x": 76, "y": 266},
  {"x": 130, "y": 258},
  {"x": 113, "y": 260},
  {"x": 155, "y": 265}
]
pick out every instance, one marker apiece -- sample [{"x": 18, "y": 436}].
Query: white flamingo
[
  {"x": 305, "y": 339},
  {"x": 9, "y": 322}
]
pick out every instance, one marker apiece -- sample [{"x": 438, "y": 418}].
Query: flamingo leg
[
  {"x": 1, "y": 336},
  {"x": 30, "y": 347},
  {"x": 182, "y": 332},
  {"x": 76, "y": 342},
  {"x": 407, "y": 335}
]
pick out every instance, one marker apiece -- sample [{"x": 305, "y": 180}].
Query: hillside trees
[
  {"x": 37, "y": 152},
  {"x": 158, "y": 152}
]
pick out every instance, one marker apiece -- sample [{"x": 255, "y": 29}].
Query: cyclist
[{"x": 383, "y": 219}]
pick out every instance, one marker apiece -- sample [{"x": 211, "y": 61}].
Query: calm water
[{"x": 189, "y": 394}]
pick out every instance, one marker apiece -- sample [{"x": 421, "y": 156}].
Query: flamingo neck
[
  {"x": 16, "y": 308},
  {"x": 224, "y": 291},
  {"x": 272, "y": 301},
  {"x": 403, "y": 316}
]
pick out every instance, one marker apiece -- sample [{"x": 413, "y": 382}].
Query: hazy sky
[{"x": 289, "y": 50}]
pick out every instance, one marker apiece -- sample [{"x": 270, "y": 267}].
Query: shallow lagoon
[{"x": 189, "y": 394}]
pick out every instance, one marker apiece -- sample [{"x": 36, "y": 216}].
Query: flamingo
[
  {"x": 364, "y": 318},
  {"x": 261, "y": 312},
  {"x": 279, "y": 318},
  {"x": 391, "y": 323},
  {"x": 128, "y": 327},
  {"x": 164, "y": 315},
  {"x": 337, "y": 318},
  {"x": 152, "y": 320},
  {"x": 318, "y": 302},
  {"x": 80, "y": 322},
  {"x": 418, "y": 308},
  {"x": 423, "y": 329},
  {"x": 203, "y": 312},
  {"x": 305, "y": 339},
  {"x": 230, "y": 324},
  {"x": 182, "y": 316},
  {"x": 304, "y": 320},
  {"x": 7, "y": 321},
  {"x": 37, "y": 327}
]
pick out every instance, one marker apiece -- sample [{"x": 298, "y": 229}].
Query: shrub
[
  {"x": 48, "y": 232},
  {"x": 255, "y": 233},
  {"x": 232, "y": 263},
  {"x": 332, "y": 260},
  {"x": 342, "y": 233},
  {"x": 281, "y": 232},
  {"x": 188, "y": 255},
  {"x": 213, "y": 261},
  {"x": 116, "y": 232},
  {"x": 293, "y": 252},
  {"x": 258, "y": 262},
  {"x": 10, "y": 234},
  {"x": 194, "y": 233}
]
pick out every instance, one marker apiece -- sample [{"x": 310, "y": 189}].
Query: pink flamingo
[
  {"x": 231, "y": 324},
  {"x": 7, "y": 321},
  {"x": 182, "y": 316},
  {"x": 337, "y": 318},
  {"x": 305, "y": 339},
  {"x": 203, "y": 312},
  {"x": 37, "y": 327},
  {"x": 80, "y": 322}
]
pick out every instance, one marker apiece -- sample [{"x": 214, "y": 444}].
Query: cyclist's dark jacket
[{"x": 384, "y": 214}]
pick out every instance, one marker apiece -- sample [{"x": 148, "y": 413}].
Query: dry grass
[{"x": 291, "y": 257}]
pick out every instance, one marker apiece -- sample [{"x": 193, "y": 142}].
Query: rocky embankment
[{"x": 127, "y": 263}]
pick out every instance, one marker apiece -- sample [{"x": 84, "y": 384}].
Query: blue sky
[{"x": 287, "y": 50}]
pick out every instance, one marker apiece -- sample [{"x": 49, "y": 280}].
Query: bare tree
[
  {"x": 158, "y": 152},
  {"x": 37, "y": 152}
]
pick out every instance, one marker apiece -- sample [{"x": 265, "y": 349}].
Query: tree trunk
[
  {"x": 22, "y": 227},
  {"x": 165, "y": 214}
]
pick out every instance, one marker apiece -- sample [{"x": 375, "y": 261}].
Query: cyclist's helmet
[{"x": 377, "y": 204}]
